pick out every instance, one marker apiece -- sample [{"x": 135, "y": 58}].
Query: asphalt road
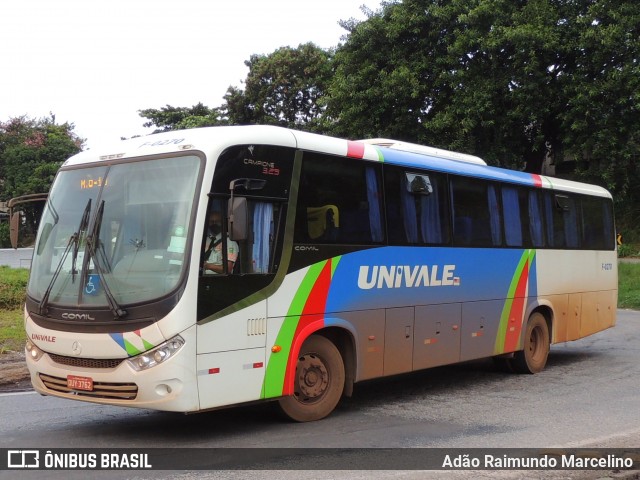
[{"x": 588, "y": 396}]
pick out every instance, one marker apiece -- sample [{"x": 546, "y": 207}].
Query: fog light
[{"x": 163, "y": 389}]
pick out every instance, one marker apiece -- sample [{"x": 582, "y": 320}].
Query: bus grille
[
  {"x": 121, "y": 391},
  {"x": 86, "y": 362}
]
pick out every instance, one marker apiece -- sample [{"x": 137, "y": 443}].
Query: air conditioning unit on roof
[{"x": 424, "y": 150}]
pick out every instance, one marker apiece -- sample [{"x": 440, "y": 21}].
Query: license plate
[{"x": 80, "y": 383}]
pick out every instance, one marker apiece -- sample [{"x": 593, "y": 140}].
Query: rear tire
[
  {"x": 536, "y": 346},
  {"x": 319, "y": 381}
]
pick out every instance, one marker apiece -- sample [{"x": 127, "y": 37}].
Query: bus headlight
[
  {"x": 32, "y": 351},
  {"x": 157, "y": 355}
]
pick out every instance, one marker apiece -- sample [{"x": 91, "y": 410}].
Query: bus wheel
[
  {"x": 318, "y": 383},
  {"x": 536, "y": 346}
]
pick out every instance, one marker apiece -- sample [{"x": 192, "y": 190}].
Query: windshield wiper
[
  {"x": 84, "y": 222},
  {"x": 93, "y": 241},
  {"x": 74, "y": 240}
]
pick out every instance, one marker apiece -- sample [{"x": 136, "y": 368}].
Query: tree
[
  {"x": 512, "y": 81},
  {"x": 31, "y": 151},
  {"x": 174, "y": 118},
  {"x": 385, "y": 79},
  {"x": 601, "y": 122},
  {"x": 283, "y": 88}
]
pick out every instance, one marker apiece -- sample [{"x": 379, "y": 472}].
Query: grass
[
  {"x": 629, "y": 285},
  {"x": 13, "y": 284},
  {"x": 12, "y": 335}
]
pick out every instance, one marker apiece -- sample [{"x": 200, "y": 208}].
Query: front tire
[
  {"x": 319, "y": 381},
  {"x": 536, "y": 346}
]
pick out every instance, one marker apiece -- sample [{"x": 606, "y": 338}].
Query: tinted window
[
  {"x": 338, "y": 202},
  {"x": 597, "y": 220},
  {"x": 476, "y": 213},
  {"x": 561, "y": 219},
  {"x": 417, "y": 207}
]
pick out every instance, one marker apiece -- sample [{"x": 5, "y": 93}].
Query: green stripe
[
  {"x": 334, "y": 264},
  {"x": 506, "y": 310},
  {"x": 130, "y": 348},
  {"x": 380, "y": 154},
  {"x": 277, "y": 366}
]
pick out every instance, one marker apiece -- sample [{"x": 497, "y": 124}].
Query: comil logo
[
  {"x": 405, "y": 276},
  {"x": 23, "y": 459}
]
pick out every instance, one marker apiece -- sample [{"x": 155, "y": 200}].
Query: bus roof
[{"x": 213, "y": 140}]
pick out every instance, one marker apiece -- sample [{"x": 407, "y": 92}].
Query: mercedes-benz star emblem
[{"x": 76, "y": 348}]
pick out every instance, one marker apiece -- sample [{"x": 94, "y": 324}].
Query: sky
[{"x": 95, "y": 63}]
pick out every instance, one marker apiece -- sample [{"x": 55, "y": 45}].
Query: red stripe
[
  {"x": 537, "y": 180},
  {"x": 312, "y": 313},
  {"x": 517, "y": 312},
  {"x": 355, "y": 149}
]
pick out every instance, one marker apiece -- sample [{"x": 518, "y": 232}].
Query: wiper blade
[
  {"x": 74, "y": 240},
  {"x": 93, "y": 241},
  {"x": 84, "y": 221}
]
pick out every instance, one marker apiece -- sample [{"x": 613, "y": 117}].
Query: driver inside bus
[{"x": 213, "y": 257}]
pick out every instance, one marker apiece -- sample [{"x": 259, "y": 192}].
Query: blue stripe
[{"x": 408, "y": 159}]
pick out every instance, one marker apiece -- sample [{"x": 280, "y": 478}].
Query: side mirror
[
  {"x": 14, "y": 226},
  {"x": 238, "y": 219}
]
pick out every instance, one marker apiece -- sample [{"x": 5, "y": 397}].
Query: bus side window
[
  {"x": 417, "y": 208},
  {"x": 597, "y": 219},
  {"x": 476, "y": 213},
  {"x": 339, "y": 202},
  {"x": 561, "y": 220},
  {"x": 522, "y": 220}
]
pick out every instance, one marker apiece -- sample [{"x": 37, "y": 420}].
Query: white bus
[{"x": 336, "y": 261}]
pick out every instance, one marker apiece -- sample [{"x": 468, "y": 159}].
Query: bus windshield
[{"x": 116, "y": 234}]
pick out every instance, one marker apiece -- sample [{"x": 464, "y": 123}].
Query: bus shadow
[{"x": 264, "y": 420}]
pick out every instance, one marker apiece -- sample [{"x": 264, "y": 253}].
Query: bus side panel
[
  {"x": 576, "y": 271},
  {"x": 565, "y": 315},
  {"x": 572, "y": 317},
  {"x": 231, "y": 357},
  {"x": 480, "y": 323},
  {"x": 398, "y": 340},
  {"x": 437, "y": 335},
  {"x": 581, "y": 286},
  {"x": 598, "y": 312},
  {"x": 370, "y": 326},
  {"x": 227, "y": 378}
]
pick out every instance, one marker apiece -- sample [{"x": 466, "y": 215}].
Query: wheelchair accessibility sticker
[{"x": 93, "y": 285}]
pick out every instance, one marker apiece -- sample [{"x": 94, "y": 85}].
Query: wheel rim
[
  {"x": 313, "y": 378},
  {"x": 536, "y": 352}
]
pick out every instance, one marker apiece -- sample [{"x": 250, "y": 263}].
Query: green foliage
[
  {"x": 175, "y": 118},
  {"x": 627, "y": 250},
  {"x": 12, "y": 333},
  {"x": 13, "y": 285},
  {"x": 31, "y": 151},
  {"x": 496, "y": 78},
  {"x": 283, "y": 88},
  {"x": 4, "y": 235},
  {"x": 629, "y": 285},
  {"x": 519, "y": 83}
]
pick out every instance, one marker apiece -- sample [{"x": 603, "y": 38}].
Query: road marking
[{"x": 13, "y": 394}]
